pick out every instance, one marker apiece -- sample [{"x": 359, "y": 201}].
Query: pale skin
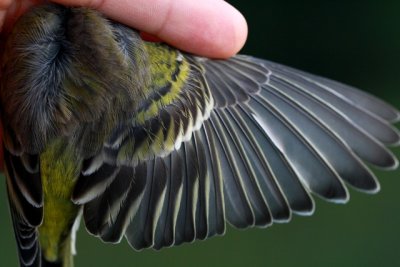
[{"x": 211, "y": 28}]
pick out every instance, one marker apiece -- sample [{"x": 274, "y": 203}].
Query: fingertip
[
  {"x": 238, "y": 35},
  {"x": 229, "y": 34},
  {"x": 210, "y": 28}
]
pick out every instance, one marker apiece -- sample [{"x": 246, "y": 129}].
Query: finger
[
  {"x": 210, "y": 28},
  {"x": 11, "y": 10},
  {"x": 4, "y": 5}
]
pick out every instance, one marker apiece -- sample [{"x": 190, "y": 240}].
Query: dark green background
[{"x": 357, "y": 42}]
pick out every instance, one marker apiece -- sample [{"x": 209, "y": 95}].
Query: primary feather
[{"x": 162, "y": 147}]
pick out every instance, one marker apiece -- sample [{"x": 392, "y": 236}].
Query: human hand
[{"x": 211, "y": 28}]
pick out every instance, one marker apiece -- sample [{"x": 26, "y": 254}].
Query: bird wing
[
  {"x": 26, "y": 204},
  {"x": 244, "y": 141}
]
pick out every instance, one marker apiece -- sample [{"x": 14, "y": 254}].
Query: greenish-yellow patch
[
  {"x": 167, "y": 66},
  {"x": 59, "y": 168}
]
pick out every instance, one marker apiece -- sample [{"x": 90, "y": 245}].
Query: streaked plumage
[{"x": 167, "y": 147}]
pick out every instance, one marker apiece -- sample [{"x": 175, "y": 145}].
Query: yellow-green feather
[
  {"x": 166, "y": 67},
  {"x": 59, "y": 170},
  {"x": 164, "y": 63}
]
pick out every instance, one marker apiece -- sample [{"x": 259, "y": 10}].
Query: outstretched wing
[{"x": 243, "y": 140}]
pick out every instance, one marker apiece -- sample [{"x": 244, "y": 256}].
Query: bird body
[{"x": 162, "y": 147}]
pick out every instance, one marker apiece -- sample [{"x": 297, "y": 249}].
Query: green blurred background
[{"x": 356, "y": 42}]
